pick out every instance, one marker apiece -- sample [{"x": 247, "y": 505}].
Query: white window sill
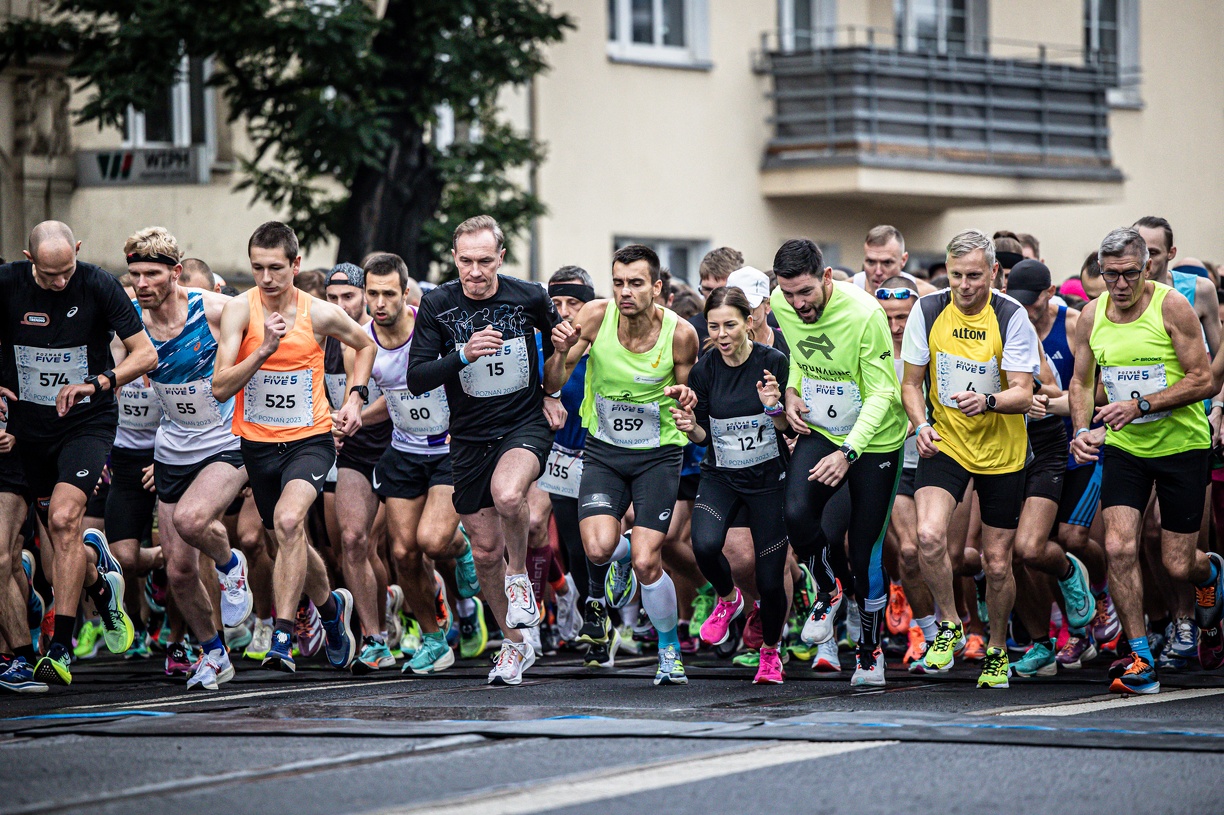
[{"x": 658, "y": 57}]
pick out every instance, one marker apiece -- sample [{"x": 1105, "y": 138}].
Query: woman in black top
[{"x": 743, "y": 475}]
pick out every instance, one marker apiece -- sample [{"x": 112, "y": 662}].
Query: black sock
[
  {"x": 26, "y": 652},
  {"x": 100, "y": 593},
  {"x": 870, "y": 623},
  {"x": 283, "y": 625},
  {"x": 1070, "y": 570},
  {"x": 328, "y": 611},
  {"x": 64, "y": 625}
]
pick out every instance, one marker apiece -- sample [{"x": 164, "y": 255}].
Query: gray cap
[{"x": 354, "y": 275}]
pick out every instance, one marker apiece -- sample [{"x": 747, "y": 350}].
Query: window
[
  {"x": 680, "y": 257},
  {"x": 184, "y": 116},
  {"x": 1111, "y": 40},
  {"x": 659, "y": 32},
  {"x": 941, "y": 26},
  {"x": 806, "y": 24}
]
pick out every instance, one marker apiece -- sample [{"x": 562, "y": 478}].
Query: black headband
[
  {"x": 579, "y": 291},
  {"x": 156, "y": 257}
]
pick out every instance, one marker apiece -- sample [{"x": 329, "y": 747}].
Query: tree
[{"x": 340, "y": 103}]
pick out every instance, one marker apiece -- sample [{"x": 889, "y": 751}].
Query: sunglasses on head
[{"x": 895, "y": 294}]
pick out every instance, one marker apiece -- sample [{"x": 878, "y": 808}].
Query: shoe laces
[
  {"x": 1205, "y": 596},
  {"x": 302, "y": 622},
  {"x": 507, "y": 655},
  {"x": 867, "y": 660},
  {"x": 1138, "y": 665},
  {"x": 946, "y": 637},
  {"x": 668, "y": 659},
  {"x": 995, "y": 662}
]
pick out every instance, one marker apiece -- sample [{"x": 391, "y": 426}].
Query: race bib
[
  {"x": 626, "y": 424},
  {"x": 1124, "y": 382},
  {"x": 562, "y": 473},
  {"x": 955, "y": 374},
  {"x": 424, "y": 415},
  {"x": 280, "y": 399},
  {"x": 42, "y": 372},
  {"x": 743, "y": 441},
  {"x": 499, "y": 374},
  {"x": 191, "y": 405},
  {"x": 138, "y": 407},
  {"x": 833, "y": 406},
  {"x": 337, "y": 392}
]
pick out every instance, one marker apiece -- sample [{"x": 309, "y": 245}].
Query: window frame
[
  {"x": 694, "y": 54},
  {"x": 976, "y": 25},
  {"x": 180, "y": 114},
  {"x": 824, "y": 22},
  {"x": 1125, "y": 92},
  {"x": 697, "y": 248}
]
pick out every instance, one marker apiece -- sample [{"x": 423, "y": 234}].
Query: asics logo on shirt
[
  {"x": 810, "y": 345},
  {"x": 72, "y": 311}
]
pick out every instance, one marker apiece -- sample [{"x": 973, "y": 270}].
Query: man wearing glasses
[{"x": 1154, "y": 367}]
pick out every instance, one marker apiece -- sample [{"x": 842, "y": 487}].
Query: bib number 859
[{"x": 626, "y": 425}]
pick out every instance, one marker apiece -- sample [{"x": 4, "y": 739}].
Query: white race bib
[
  {"x": 191, "y": 405},
  {"x": 743, "y": 441},
  {"x": 138, "y": 407},
  {"x": 833, "y": 406},
  {"x": 337, "y": 392},
  {"x": 626, "y": 424},
  {"x": 498, "y": 374},
  {"x": 424, "y": 415},
  {"x": 955, "y": 374},
  {"x": 42, "y": 372},
  {"x": 280, "y": 399},
  {"x": 562, "y": 473},
  {"x": 1123, "y": 382}
]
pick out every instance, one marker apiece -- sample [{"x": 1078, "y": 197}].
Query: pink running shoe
[
  {"x": 178, "y": 659},
  {"x": 308, "y": 628},
  {"x": 717, "y": 627},
  {"x": 769, "y": 672},
  {"x": 754, "y": 635}
]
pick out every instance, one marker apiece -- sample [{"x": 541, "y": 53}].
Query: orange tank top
[{"x": 286, "y": 399}]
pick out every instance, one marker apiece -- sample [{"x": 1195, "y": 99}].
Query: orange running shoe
[
  {"x": 899, "y": 615},
  {"x": 975, "y": 648},
  {"x": 917, "y": 646}
]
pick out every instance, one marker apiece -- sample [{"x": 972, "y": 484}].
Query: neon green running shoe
[
  {"x": 703, "y": 606},
  {"x": 89, "y": 640},
  {"x": 119, "y": 629},
  {"x": 473, "y": 633},
  {"x": 411, "y": 640},
  {"x": 938, "y": 658},
  {"x": 56, "y": 667},
  {"x": 802, "y": 652},
  {"x": 749, "y": 659},
  {"x": 995, "y": 670}
]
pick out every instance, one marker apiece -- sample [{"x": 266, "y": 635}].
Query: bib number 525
[{"x": 281, "y": 401}]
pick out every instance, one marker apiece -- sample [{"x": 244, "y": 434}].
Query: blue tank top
[
  {"x": 1058, "y": 349},
  {"x": 1186, "y": 284},
  {"x": 573, "y": 435}
]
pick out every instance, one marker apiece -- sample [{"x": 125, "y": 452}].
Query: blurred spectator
[{"x": 311, "y": 281}]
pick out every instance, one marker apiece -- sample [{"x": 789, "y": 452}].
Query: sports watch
[
  {"x": 363, "y": 391},
  {"x": 849, "y": 453},
  {"x": 1145, "y": 407},
  {"x": 990, "y": 401}
]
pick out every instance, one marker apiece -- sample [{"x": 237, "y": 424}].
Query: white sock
[
  {"x": 622, "y": 550},
  {"x": 928, "y": 626},
  {"x": 659, "y": 600}
]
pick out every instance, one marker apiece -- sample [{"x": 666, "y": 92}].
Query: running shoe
[
  {"x": 643, "y": 630},
  {"x": 595, "y": 625},
  {"x": 717, "y": 627},
  {"x": 18, "y": 677},
  {"x": 308, "y": 630},
  {"x": 851, "y": 629},
  {"x": 974, "y": 649},
  {"x": 442, "y": 609},
  {"x": 89, "y": 640},
  {"x": 868, "y": 669},
  {"x": 802, "y": 651},
  {"x": 747, "y": 659},
  {"x": 46, "y": 629},
  {"x": 754, "y": 635},
  {"x": 703, "y": 607},
  {"x": 569, "y": 616},
  {"x": 603, "y": 654},
  {"x": 156, "y": 589},
  {"x": 107, "y": 563},
  {"x": 236, "y": 598},
  {"x": 279, "y": 656},
  {"x": 465, "y": 571},
  {"x": 261, "y": 641},
  {"x": 1211, "y": 647},
  {"x": 522, "y": 611},
  {"x": 898, "y": 616},
  {"x": 35, "y": 607},
  {"x": 119, "y": 631},
  {"x": 140, "y": 647},
  {"x": 1184, "y": 638},
  {"x": 178, "y": 659},
  {"x": 211, "y": 670},
  {"x": 56, "y": 667},
  {"x": 238, "y": 637},
  {"x": 395, "y": 628},
  {"x": 1039, "y": 660},
  {"x": 532, "y": 637},
  {"x": 374, "y": 656},
  {"x": 819, "y": 625},
  {"x": 769, "y": 671},
  {"x": 688, "y": 645},
  {"x": 1105, "y": 625},
  {"x": 1076, "y": 652},
  {"x": 512, "y": 660},
  {"x": 473, "y": 633},
  {"x": 917, "y": 648},
  {"x": 827, "y": 660},
  {"x": 627, "y": 642},
  {"x": 671, "y": 667},
  {"x": 938, "y": 657},
  {"x": 979, "y": 591},
  {"x": 1139, "y": 677},
  {"x": 995, "y": 669},
  {"x": 341, "y": 644},
  {"x": 411, "y": 640},
  {"x": 1209, "y": 600},
  {"x": 433, "y": 656},
  {"x": 621, "y": 583},
  {"x": 1076, "y": 591}
]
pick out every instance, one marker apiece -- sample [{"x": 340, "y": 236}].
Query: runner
[
  {"x": 884, "y": 256},
  {"x": 270, "y": 349},
  {"x": 843, "y": 400},
  {"x": 476, "y": 336},
  {"x": 413, "y": 476},
  {"x": 1155, "y": 370},
  {"x": 17, "y": 672},
  {"x": 739, "y": 411},
  {"x": 974, "y": 353},
  {"x": 640, "y": 355}
]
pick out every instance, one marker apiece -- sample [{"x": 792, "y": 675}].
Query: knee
[
  {"x": 409, "y": 559},
  {"x": 539, "y": 526},
  {"x": 438, "y": 545},
  {"x": 192, "y": 524},
  {"x": 182, "y": 572},
  {"x": 1177, "y": 565},
  {"x": 485, "y": 556},
  {"x": 932, "y": 542},
  {"x": 287, "y": 524},
  {"x": 1120, "y": 551},
  {"x": 63, "y": 523},
  {"x": 647, "y": 565},
  {"x": 907, "y": 552},
  {"x": 998, "y": 568},
  {"x": 507, "y": 501},
  {"x": 355, "y": 544}
]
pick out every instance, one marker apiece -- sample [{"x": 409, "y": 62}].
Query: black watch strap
[
  {"x": 114, "y": 380},
  {"x": 363, "y": 391}
]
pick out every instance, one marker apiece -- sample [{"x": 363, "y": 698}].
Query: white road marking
[
  {"x": 617, "y": 782},
  {"x": 198, "y": 698},
  {"x": 1112, "y": 702}
]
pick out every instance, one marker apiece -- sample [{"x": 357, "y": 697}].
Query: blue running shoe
[
  {"x": 1183, "y": 639},
  {"x": 279, "y": 657},
  {"x": 341, "y": 644},
  {"x": 19, "y": 678},
  {"x": 1139, "y": 677},
  {"x": 35, "y": 607},
  {"x": 95, "y": 540},
  {"x": 465, "y": 572}
]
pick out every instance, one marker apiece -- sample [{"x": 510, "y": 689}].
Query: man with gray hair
[
  {"x": 1145, "y": 338},
  {"x": 974, "y": 352}
]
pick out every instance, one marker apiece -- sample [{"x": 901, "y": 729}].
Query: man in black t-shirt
[
  {"x": 477, "y": 337},
  {"x": 56, "y": 320}
]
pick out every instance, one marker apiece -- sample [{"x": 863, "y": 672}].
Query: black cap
[
  {"x": 1008, "y": 260},
  {"x": 1027, "y": 280}
]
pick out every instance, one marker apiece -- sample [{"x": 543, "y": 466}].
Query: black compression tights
[{"x": 713, "y": 513}]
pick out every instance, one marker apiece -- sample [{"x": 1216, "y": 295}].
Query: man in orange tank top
[{"x": 271, "y": 351}]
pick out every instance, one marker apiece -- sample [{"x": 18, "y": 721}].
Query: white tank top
[
  {"x": 139, "y": 415},
  {"x": 421, "y": 422}
]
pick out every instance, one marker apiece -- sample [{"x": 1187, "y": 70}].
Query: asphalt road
[{"x": 124, "y": 739}]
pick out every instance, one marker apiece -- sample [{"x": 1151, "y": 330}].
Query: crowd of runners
[{"x": 792, "y": 470}]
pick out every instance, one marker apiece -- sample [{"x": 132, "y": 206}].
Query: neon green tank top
[
  {"x": 1137, "y": 359},
  {"x": 624, "y": 403}
]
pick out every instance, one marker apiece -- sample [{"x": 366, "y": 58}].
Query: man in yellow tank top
[
  {"x": 1145, "y": 340},
  {"x": 271, "y": 351},
  {"x": 975, "y": 352}
]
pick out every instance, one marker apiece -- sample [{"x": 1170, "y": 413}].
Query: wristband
[
  {"x": 556, "y": 395},
  {"x": 918, "y": 429},
  {"x": 462, "y": 358},
  {"x": 1081, "y": 430},
  {"x": 1217, "y": 404},
  {"x": 776, "y": 410}
]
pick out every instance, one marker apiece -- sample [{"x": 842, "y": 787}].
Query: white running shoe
[
  {"x": 236, "y": 598},
  {"x": 826, "y": 660},
  {"x": 818, "y": 628},
  {"x": 522, "y": 611},
  {"x": 569, "y": 616},
  {"x": 261, "y": 641},
  {"x": 211, "y": 670},
  {"x": 512, "y": 660},
  {"x": 532, "y": 637},
  {"x": 872, "y": 677}
]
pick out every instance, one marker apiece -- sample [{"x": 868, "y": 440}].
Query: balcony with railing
[{"x": 997, "y": 122}]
